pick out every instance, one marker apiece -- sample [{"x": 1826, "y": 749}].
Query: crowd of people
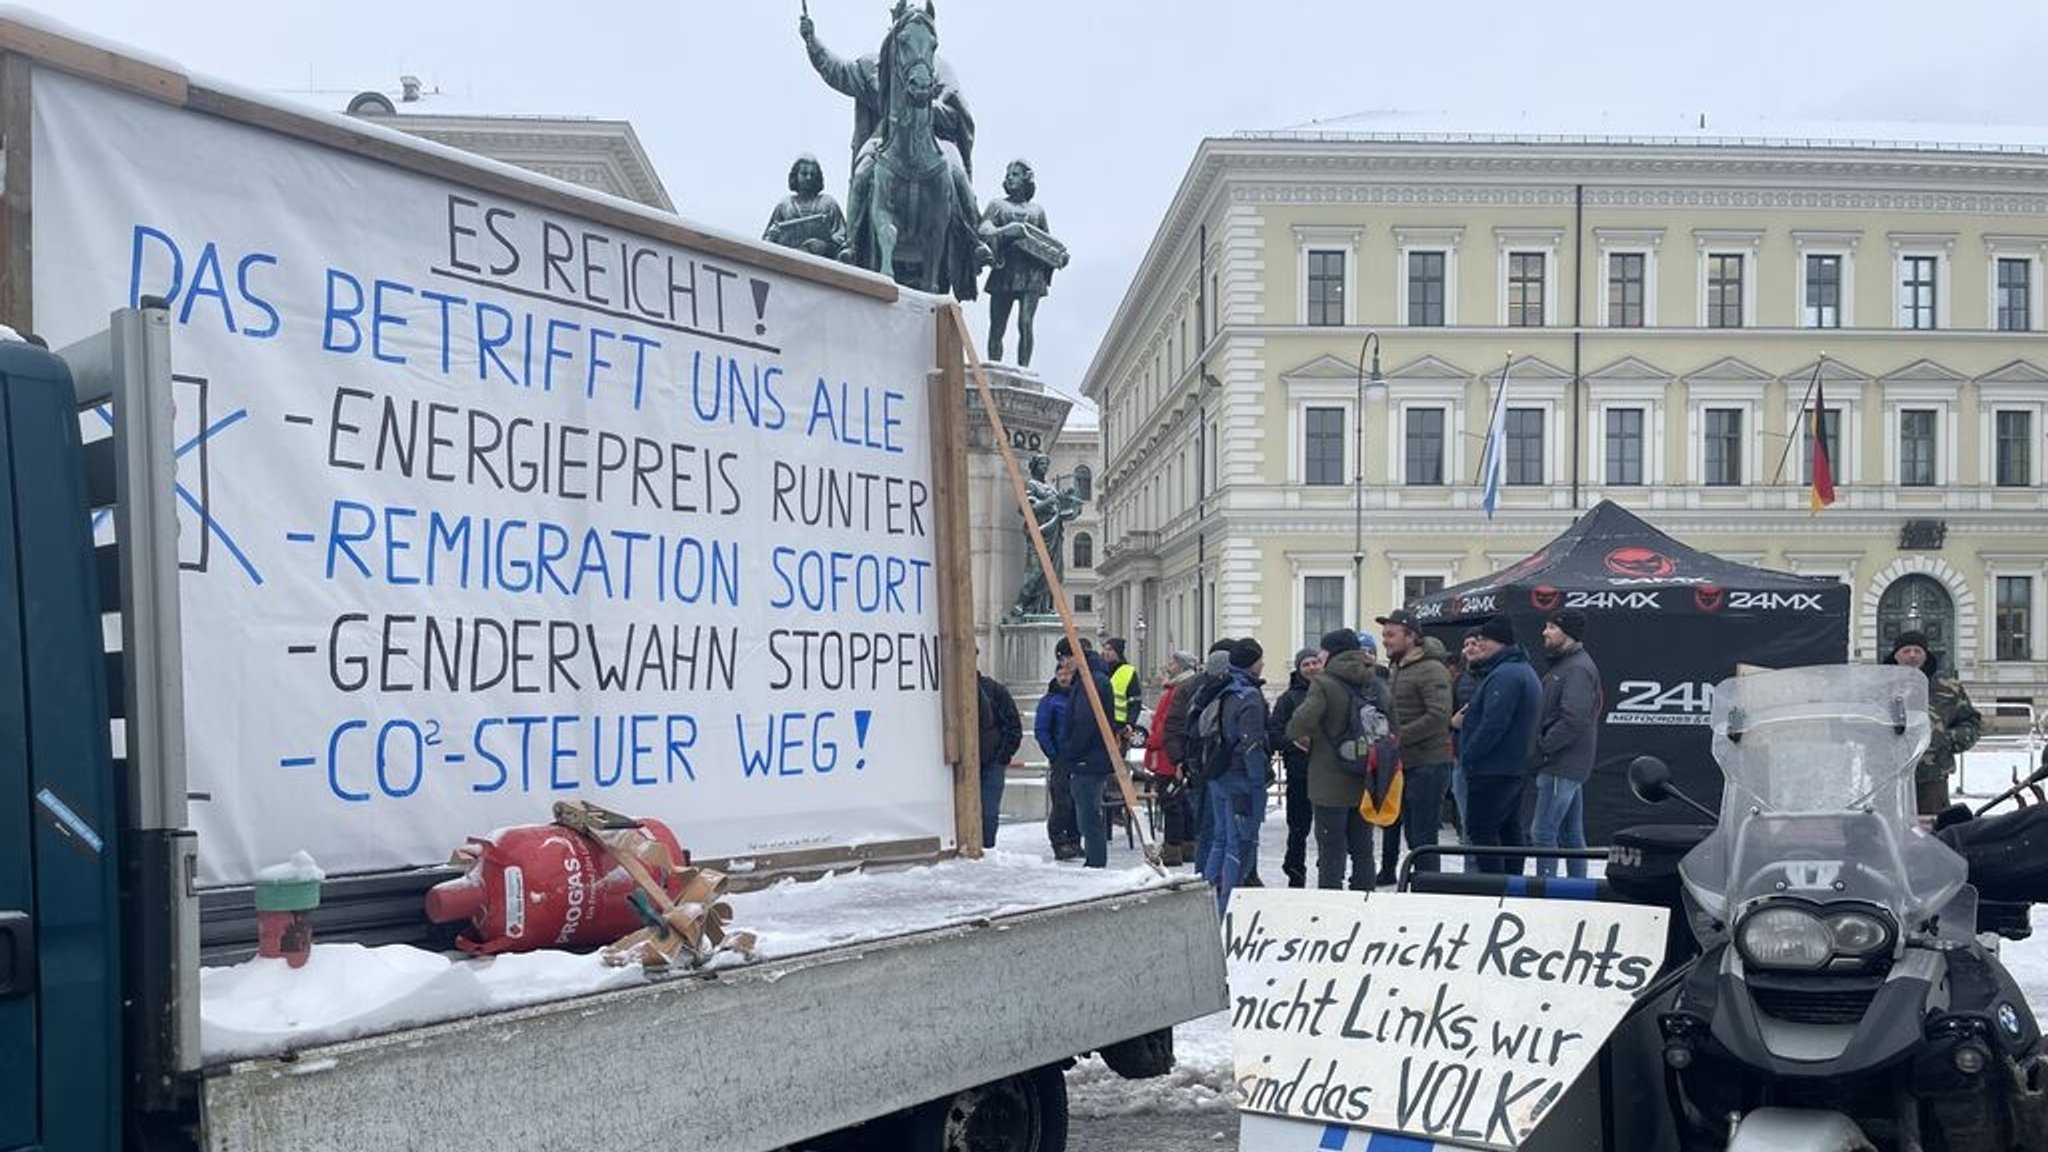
[
  {"x": 1481, "y": 737},
  {"x": 1473, "y": 732}
]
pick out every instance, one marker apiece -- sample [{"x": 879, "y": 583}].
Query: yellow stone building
[{"x": 1667, "y": 304}]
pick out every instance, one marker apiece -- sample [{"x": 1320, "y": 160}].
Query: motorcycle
[{"x": 1842, "y": 999}]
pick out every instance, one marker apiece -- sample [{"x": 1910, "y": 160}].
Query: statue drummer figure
[
  {"x": 1026, "y": 255},
  {"x": 809, "y": 219}
]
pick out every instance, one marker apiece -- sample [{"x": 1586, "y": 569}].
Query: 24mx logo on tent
[
  {"x": 1776, "y": 602},
  {"x": 1617, "y": 601},
  {"x": 1639, "y": 562},
  {"x": 1544, "y": 598}
]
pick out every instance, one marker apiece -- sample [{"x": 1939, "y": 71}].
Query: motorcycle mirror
[{"x": 1650, "y": 779}]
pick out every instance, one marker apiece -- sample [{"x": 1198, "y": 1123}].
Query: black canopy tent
[{"x": 1665, "y": 623}]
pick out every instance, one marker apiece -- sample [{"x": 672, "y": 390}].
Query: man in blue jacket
[
  {"x": 1237, "y": 793},
  {"x": 1084, "y": 755},
  {"x": 1048, "y": 724},
  {"x": 1493, "y": 743}
]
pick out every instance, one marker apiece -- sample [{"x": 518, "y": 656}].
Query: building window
[
  {"x": 1916, "y": 291},
  {"x": 1525, "y": 289},
  {"x": 1724, "y": 290},
  {"x": 1084, "y": 551},
  {"x": 1830, "y": 435},
  {"x": 1414, "y": 588},
  {"x": 1724, "y": 446},
  {"x": 1823, "y": 291},
  {"x": 1625, "y": 284},
  {"x": 1624, "y": 445},
  {"x": 1084, "y": 602},
  {"x": 1084, "y": 483},
  {"x": 1426, "y": 289},
  {"x": 1525, "y": 446},
  {"x": 1325, "y": 288},
  {"x": 1425, "y": 462},
  {"x": 1322, "y": 607},
  {"x": 1916, "y": 447},
  {"x": 2015, "y": 295},
  {"x": 2015, "y": 434},
  {"x": 1324, "y": 455},
  {"x": 1917, "y": 603},
  {"x": 2015, "y": 619}
]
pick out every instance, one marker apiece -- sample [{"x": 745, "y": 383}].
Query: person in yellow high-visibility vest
[{"x": 1126, "y": 693}]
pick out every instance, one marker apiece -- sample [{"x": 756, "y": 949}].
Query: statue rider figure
[
  {"x": 951, "y": 122},
  {"x": 808, "y": 219}
]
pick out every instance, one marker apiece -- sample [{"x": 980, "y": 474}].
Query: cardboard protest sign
[
  {"x": 485, "y": 504},
  {"x": 1450, "y": 1018}
]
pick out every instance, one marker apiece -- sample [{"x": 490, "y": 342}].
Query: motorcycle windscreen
[{"x": 1819, "y": 803}]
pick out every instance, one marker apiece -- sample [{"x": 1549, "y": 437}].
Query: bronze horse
[{"x": 913, "y": 226}]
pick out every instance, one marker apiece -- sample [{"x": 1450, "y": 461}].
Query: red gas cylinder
[{"x": 544, "y": 886}]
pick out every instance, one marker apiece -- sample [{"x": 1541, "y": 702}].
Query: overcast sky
[{"x": 1107, "y": 98}]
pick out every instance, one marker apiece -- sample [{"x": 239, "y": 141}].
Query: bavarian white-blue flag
[{"x": 1494, "y": 463}]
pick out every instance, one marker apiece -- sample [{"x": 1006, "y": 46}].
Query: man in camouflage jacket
[{"x": 1953, "y": 722}]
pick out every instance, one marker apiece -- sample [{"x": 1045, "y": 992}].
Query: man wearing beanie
[
  {"x": 1493, "y": 744},
  {"x": 1953, "y": 723},
  {"x": 1567, "y": 741},
  {"x": 1082, "y": 753},
  {"x": 1180, "y": 719},
  {"x": 1237, "y": 794},
  {"x": 1294, "y": 758},
  {"x": 1318, "y": 724}
]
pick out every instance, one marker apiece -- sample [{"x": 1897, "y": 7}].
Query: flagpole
[{"x": 1803, "y": 401}]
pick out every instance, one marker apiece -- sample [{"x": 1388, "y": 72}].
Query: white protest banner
[
  {"x": 486, "y": 506},
  {"x": 1450, "y": 1018}
]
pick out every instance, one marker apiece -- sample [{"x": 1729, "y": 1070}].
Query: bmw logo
[{"x": 2009, "y": 1019}]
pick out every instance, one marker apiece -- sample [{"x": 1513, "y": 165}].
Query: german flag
[{"x": 1822, "y": 492}]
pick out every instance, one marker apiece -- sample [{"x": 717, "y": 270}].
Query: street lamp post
[{"x": 1378, "y": 384}]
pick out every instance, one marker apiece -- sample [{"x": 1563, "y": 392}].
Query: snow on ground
[{"x": 263, "y": 1007}]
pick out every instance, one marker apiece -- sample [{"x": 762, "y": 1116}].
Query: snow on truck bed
[{"x": 263, "y": 1007}]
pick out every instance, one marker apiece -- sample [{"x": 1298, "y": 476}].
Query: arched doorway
[{"x": 1918, "y": 603}]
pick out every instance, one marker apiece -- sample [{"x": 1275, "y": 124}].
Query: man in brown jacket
[
  {"x": 1422, "y": 718},
  {"x": 1342, "y": 835}
]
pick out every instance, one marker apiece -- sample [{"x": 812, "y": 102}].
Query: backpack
[
  {"x": 1209, "y": 746},
  {"x": 1370, "y": 749}
]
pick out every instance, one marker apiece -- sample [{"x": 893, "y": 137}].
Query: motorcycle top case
[
  {"x": 1642, "y": 862},
  {"x": 2007, "y": 854}
]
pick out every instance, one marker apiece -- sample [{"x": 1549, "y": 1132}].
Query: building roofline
[{"x": 1492, "y": 157}]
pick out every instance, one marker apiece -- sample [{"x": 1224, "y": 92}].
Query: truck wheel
[
  {"x": 1024, "y": 1113},
  {"x": 1141, "y": 1057}
]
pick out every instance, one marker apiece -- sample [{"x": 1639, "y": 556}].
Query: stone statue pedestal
[
  {"x": 1033, "y": 417},
  {"x": 1024, "y": 660}
]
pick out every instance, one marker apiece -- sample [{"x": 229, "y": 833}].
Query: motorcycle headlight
[
  {"x": 1858, "y": 934},
  {"x": 1786, "y": 937}
]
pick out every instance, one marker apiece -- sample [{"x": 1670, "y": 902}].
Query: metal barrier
[{"x": 1497, "y": 883}]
